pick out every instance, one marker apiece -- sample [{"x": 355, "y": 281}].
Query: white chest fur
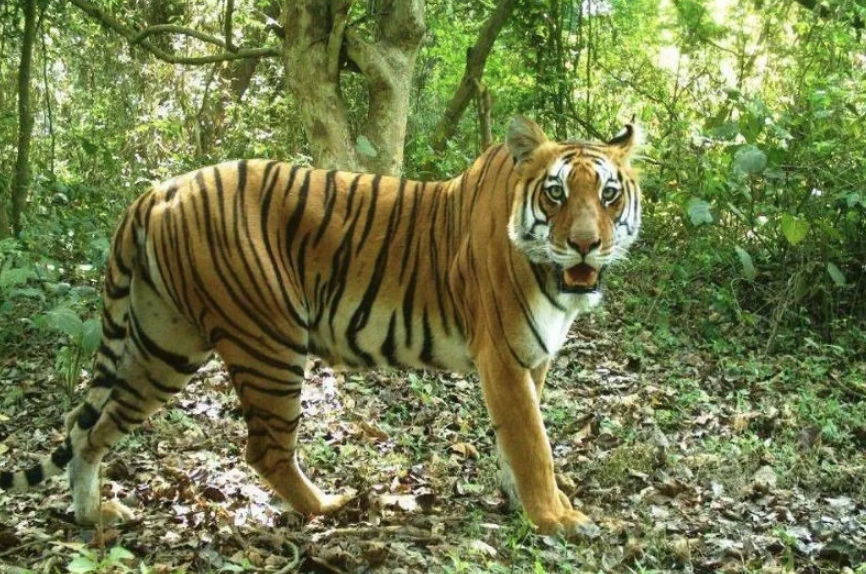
[{"x": 554, "y": 323}]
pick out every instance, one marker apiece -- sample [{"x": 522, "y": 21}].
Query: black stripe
[
  {"x": 524, "y": 304},
  {"x": 511, "y": 349},
  {"x": 330, "y": 202},
  {"x": 410, "y": 230},
  {"x": 240, "y": 217},
  {"x": 340, "y": 268},
  {"x": 106, "y": 352},
  {"x": 540, "y": 273},
  {"x": 279, "y": 423},
  {"x": 434, "y": 263},
  {"x": 34, "y": 475},
  {"x": 217, "y": 334},
  {"x": 118, "y": 423},
  {"x": 362, "y": 313},
  {"x": 111, "y": 329},
  {"x": 169, "y": 193},
  {"x": 161, "y": 387},
  {"x": 371, "y": 211},
  {"x": 63, "y": 454},
  {"x": 177, "y": 362},
  {"x": 409, "y": 302},
  {"x": 87, "y": 416},
  {"x": 266, "y": 200},
  {"x": 125, "y": 417},
  {"x": 274, "y": 446},
  {"x": 389, "y": 347},
  {"x": 427, "y": 347},
  {"x": 126, "y": 404},
  {"x": 112, "y": 290}
]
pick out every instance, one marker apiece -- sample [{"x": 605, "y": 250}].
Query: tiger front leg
[{"x": 512, "y": 400}]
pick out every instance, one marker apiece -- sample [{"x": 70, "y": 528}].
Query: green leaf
[
  {"x": 836, "y": 275},
  {"x": 750, "y": 159},
  {"x": 82, "y": 565},
  {"x": 65, "y": 320},
  {"x": 725, "y": 131},
  {"x": 119, "y": 553},
  {"x": 92, "y": 336},
  {"x": 794, "y": 228},
  {"x": 30, "y": 292},
  {"x": 365, "y": 146},
  {"x": 13, "y": 277},
  {"x": 748, "y": 266},
  {"x": 699, "y": 211}
]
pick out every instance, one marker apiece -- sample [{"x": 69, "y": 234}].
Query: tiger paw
[
  {"x": 334, "y": 502},
  {"x": 114, "y": 511},
  {"x": 109, "y": 512},
  {"x": 571, "y": 523}
]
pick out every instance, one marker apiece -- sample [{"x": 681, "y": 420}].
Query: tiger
[{"x": 265, "y": 263}]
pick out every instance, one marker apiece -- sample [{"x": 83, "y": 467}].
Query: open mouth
[{"x": 581, "y": 278}]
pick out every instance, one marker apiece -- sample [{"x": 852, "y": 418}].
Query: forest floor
[{"x": 692, "y": 454}]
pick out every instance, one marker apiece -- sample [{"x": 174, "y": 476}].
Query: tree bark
[
  {"x": 5, "y": 230},
  {"x": 388, "y": 66},
  {"x": 315, "y": 82},
  {"x": 21, "y": 179},
  {"x": 319, "y": 44},
  {"x": 476, "y": 59}
]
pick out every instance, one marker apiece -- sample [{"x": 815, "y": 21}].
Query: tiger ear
[
  {"x": 627, "y": 141},
  {"x": 524, "y": 137}
]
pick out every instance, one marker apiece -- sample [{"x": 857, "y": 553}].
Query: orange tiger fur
[{"x": 265, "y": 262}]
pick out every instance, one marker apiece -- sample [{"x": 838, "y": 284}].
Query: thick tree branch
[
  {"x": 476, "y": 59},
  {"x": 175, "y": 29},
  {"x": 140, "y": 39},
  {"x": 227, "y": 24},
  {"x": 387, "y": 65},
  {"x": 402, "y": 23},
  {"x": 340, "y": 15}
]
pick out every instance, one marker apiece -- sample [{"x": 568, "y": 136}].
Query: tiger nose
[{"x": 584, "y": 245}]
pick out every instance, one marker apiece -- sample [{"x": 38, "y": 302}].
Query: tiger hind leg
[
  {"x": 270, "y": 394},
  {"x": 148, "y": 353}
]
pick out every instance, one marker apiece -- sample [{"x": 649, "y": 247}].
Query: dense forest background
[{"x": 718, "y": 400}]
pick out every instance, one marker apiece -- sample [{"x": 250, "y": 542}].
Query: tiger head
[{"x": 576, "y": 206}]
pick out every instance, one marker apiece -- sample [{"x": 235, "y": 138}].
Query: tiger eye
[
  {"x": 609, "y": 194},
  {"x": 555, "y": 192}
]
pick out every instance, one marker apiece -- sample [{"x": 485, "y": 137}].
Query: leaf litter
[{"x": 686, "y": 461}]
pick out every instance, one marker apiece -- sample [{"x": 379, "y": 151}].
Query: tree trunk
[
  {"x": 319, "y": 45},
  {"x": 5, "y": 230},
  {"x": 21, "y": 179},
  {"x": 476, "y": 59}
]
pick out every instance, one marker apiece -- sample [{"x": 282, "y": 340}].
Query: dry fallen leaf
[{"x": 466, "y": 449}]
